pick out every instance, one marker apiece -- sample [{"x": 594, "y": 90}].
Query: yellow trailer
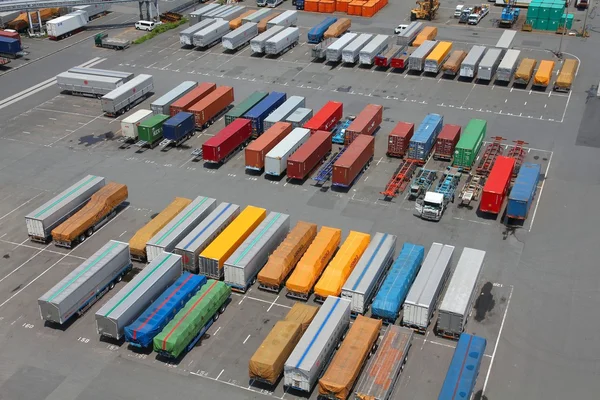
[
  {"x": 437, "y": 57},
  {"x": 566, "y": 75},
  {"x": 525, "y": 71},
  {"x": 428, "y": 33},
  {"x": 543, "y": 74}
]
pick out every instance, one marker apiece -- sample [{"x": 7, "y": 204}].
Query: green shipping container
[
  {"x": 544, "y": 11},
  {"x": 190, "y": 320},
  {"x": 533, "y": 11},
  {"x": 151, "y": 129},
  {"x": 245, "y": 106},
  {"x": 553, "y": 25},
  {"x": 556, "y": 12},
  {"x": 469, "y": 144},
  {"x": 540, "y": 24}
]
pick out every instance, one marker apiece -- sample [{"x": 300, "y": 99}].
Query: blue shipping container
[
  {"x": 425, "y": 137},
  {"x": 402, "y": 274},
  {"x": 179, "y": 126},
  {"x": 523, "y": 191},
  {"x": 152, "y": 321},
  {"x": 464, "y": 368},
  {"x": 9, "y": 46},
  {"x": 259, "y": 112},
  {"x": 315, "y": 35}
]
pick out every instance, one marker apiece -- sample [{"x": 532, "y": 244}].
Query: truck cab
[
  {"x": 431, "y": 207},
  {"x": 474, "y": 19}
]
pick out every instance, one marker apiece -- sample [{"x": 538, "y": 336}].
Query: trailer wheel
[
  {"x": 120, "y": 278},
  {"x": 111, "y": 286},
  {"x": 81, "y": 238},
  {"x": 216, "y": 317},
  {"x": 89, "y": 232},
  {"x": 222, "y": 309}
]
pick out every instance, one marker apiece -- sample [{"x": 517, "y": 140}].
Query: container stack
[
  {"x": 364, "y": 8},
  {"x": 548, "y": 15}
]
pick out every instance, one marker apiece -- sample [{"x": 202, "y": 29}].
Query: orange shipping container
[
  {"x": 302, "y": 314},
  {"x": 338, "y": 28},
  {"x": 368, "y": 10},
  {"x": 237, "y": 22},
  {"x": 544, "y": 73},
  {"x": 212, "y": 105},
  {"x": 428, "y": 33},
  {"x": 342, "y": 5},
  {"x": 326, "y": 6},
  {"x": 262, "y": 24},
  {"x": 257, "y": 150},
  {"x": 345, "y": 366},
  {"x": 311, "y": 5}
]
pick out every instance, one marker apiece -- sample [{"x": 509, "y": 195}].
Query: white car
[
  {"x": 145, "y": 25},
  {"x": 400, "y": 28}
]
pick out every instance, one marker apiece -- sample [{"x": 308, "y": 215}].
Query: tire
[
  {"x": 216, "y": 317},
  {"x": 81, "y": 238},
  {"x": 111, "y": 286},
  {"x": 222, "y": 309},
  {"x": 120, "y": 278},
  {"x": 89, "y": 232}
]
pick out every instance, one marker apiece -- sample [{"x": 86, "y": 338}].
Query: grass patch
[{"x": 160, "y": 29}]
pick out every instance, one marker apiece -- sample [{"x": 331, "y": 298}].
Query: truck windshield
[
  {"x": 430, "y": 204},
  {"x": 271, "y": 2}
]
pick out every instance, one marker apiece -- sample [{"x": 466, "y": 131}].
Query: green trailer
[
  {"x": 193, "y": 320},
  {"x": 245, "y": 106},
  {"x": 150, "y": 131},
  {"x": 469, "y": 144}
]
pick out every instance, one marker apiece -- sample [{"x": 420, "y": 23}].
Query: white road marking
[
  {"x": 537, "y": 203},
  {"x": 24, "y": 204},
  {"x": 217, "y": 331},
  {"x": 124, "y": 232},
  {"x": 20, "y": 266},
  {"x": 248, "y": 337},
  {"x": 37, "y": 248},
  {"x": 273, "y": 303},
  {"x": 231, "y": 384},
  {"x": 220, "y": 373}
]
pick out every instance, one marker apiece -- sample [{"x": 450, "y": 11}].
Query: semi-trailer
[
  {"x": 459, "y": 297},
  {"x": 284, "y": 111},
  {"x": 379, "y": 44},
  {"x": 316, "y": 33},
  {"x": 566, "y": 76},
  {"x": 309, "y": 155},
  {"x": 438, "y": 56},
  {"x": 48, "y": 216},
  {"x": 87, "y": 85},
  {"x": 422, "y": 298},
  {"x": 523, "y": 191},
  {"x": 240, "y": 36},
  {"x": 150, "y": 131},
  {"x": 162, "y": 105},
  {"x": 471, "y": 140},
  {"x": 257, "y": 150},
  {"x": 125, "y": 76},
  {"x": 245, "y": 106},
  {"x": 127, "y": 95},
  {"x": 211, "y": 106},
  {"x": 333, "y": 53},
  {"x": 216, "y": 11},
  {"x": 211, "y": 35},
  {"x": 276, "y": 159},
  {"x": 425, "y": 137},
  {"x": 101, "y": 207},
  {"x": 489, "y": 64},
  {"x": 525, "y": 71},
  {"x": 452, "y": 65},
  {"x": 400, "y": 60},
  {"x": 390, "y": 297},
  {"x": 232, "y": 13},
  {"x": 67, "y": 25},
  {"x": 416, "y": 61},
  {"x": 399, "y": 139},
  {"x": 446, "y": 142},
  {"x": 260, "y": 111},
  {"x": 124, "y": 307},
  {"x": 86, "y": 284},
  {"x": 470, "y": 65},
  {"x": 508, "y": 65},
  {"x": 300, "y": 117},
  {"x": 408, "y": 36},
  {"x": 496, "y": 185},
  {"x": 93, "y": 10},
  {"x": 338, "y": 28},
  {"x": 355, "y": 159},
  {"x": 365, "y": 279},
  {"x": 351, "y": 52},
  {"x": 257, "y": 44},
  {"x": 262, "y": 24},
  {"x": 326, "y": 118},
  {"x": 178, "y": 129},
  {"x": 543, "y": 75},
  {"x": 365, "y": 123},
  {"x": 287, "y": 18},
  {"x": 195, "y": 95},
  {"x": 196, "y": 15},
  {"x": 186, "y": 36},
  {"x": 464, "y": 368},
  {"x": 319, "y": 51},
  {"x": 338, "y": 270},
  {"x": 237, "y": 22},
  {"x": 282, "y": 42},
  {"x": 227, "y": 141},
  {"x": 424, "y": 33},
  {"x": 313, "y": 352},
  {"x": 384, "y": 59},
  {"x": 178, "y": 228},
  {"x": 130, "y": 124}
]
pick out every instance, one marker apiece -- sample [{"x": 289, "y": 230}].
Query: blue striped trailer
[
  {"x": 464, "y": 368},
  {"x": 523, "y": 191}
]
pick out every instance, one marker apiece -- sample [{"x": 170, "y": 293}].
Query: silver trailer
[
  {"x": 163, "y": 103},
  {"x": 93, "y": 9},
  {"x": 284, "y": 111},
  {"x": 283, "y": 41},
  {"x": 124, "y": 307},
  {"x": 186, "y": 36},
  {"x": 240, "y": 36},
  {"x": 416, "y": 61},
  {"x": 351, "y": 52},
  {"x": 300, "y": 117},
  {"x": 508, "y": 65},
  {"x": 127, "y": 95},
  {"x": 506, "y": 39},
  {"x": 489, "y": 64},
  {"x": 232, "y": 13},
  {"x": 168, "y": 237},
  {"x": 257, "y": 16},
  {"x": 470, "y": 65},
  {"x": 319, "y": 50},
  {"x": 374, "y": 47},
  {"x": 458, "y": 300},
  {"x": 257, "y": 44},
  {"x": 314, "y": 350},
  {"x": 211, "y": 34},
  {"x": 369, "y": 272},
  {"x": 422, "y": 298},
  {"x": 86, "y": 283},
  {"x": 217, "y": 11},
  {"x": 286, "y": 19},
  {"x": 333, "y": 53},
  {"x": 87, "y": 85},
  {"x": 52, "y": 213},
  {"x": 196, "y": 16},
  {"x": 247, "y": 260},
  {"x": 409, "y": 34},
  {"x": 125, "y": 76},
  {"x": 202, "y": 235}
]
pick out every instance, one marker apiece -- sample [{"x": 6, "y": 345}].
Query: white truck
[
  {"x": 458, "y": 10},
  {"x": 478, "y": 13}
]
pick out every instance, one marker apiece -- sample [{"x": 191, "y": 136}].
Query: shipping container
[
  {"x": 423, "y": 296},
  {"x": 213, "y": 257},
  {"x": 446, "y": 142},
  {"x": 508, "y": 65},
  {"x": 284, "y": 111},
  {"x": 384, "y": 59},
  {"x": 566, "y": 76},
  {"x": 137, "y": 244},
  {"x": 425, "y": 137},
  {"x": 231, "y": 14},
  {"x": 459, "y": 297},
  {"x": 407, "y": 37},
  {"x": 245, "y": 106},
  {"x": 365, "y": 123},
  {"x": 338, "y": 28},
  {"x": 316, "y": 33},
  {"x": 313, "y": 262},
  {"x": 464, "y": 368},
  {"x": 257, "y": 150},
  {"x": 351, "y": 52},
  {"x": 127, "y": 95},
  {"x": 525, "y": 71},
  {"x": 523, "y": 191},
  {"x": 427, "y": 33},
  {"x": 196, "y": 15},
  {"x": 470, "y": 142},
  {"x": 150, "y": 131},
  {"x": 470, "y": 65},
  {"x": 66, "y": 25},
  {"x": 393, "y": 291},
  {"x": 93, "y": 9},
  {"x": 237, "y": 22},
  {"x": 313, "y": 352},
  {"x": 186, "y": 36},
  {"x": 400, "y": 60},
  {"x": 276, "y": 159},
  {"x": 543, "y": 75},
  {"x": 262, "y": 24},
  {"x": 55, "y": 211},
  {"x": 309, "y": 155},
  {"x": 227, "y": 141},
  {"x": 379, "y": 44},
  {"x": 86, "y": 284},
  {"x": 178, "y": 129},
  {"x": 178, "y": 228},
  {"x": 300, "y": 117},
  {"x": 162, "y": 104},
  {"x": 125, "y": 76},
  {"x": 378, "y": 379},
  {"x": 416, "y": 61},
  {"x": 452, "y": 65},
  {"x": 260, "y": 111},
  {"x": 216, "y": 11},
  {"x": 505, "y": 41},
  {"x": 438, "y": 56},
  {"x": 284, "y": 40},
  {"x": 257, "y": 44},
  {"x": 87, "y": 85},
  {"x": 101, "y": 207},
  {"x": 192, "y": 97},
  {"x": 326, "y": 118},
  {"x": 211, "y": 106},
  {"x": 368, "y": 274},
  {"x": 284, "y": 258},
  {"x": 354, "y": 161},
  {"x": 211, "y": 35},
  {"x": 129, "y": 125},
  {"x": 240, "y": 37},
  {"x": 287, "y": 18},
  {"x": 497, "y": 184},
  {"x": 399, "y": 139},
  {"x": 333, "y": 53},
  {"x": 489, "y": 64},
  {"x": 124, "y": 307}
]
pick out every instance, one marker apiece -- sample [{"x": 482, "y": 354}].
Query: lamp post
[{"x": 559, "y": 52}]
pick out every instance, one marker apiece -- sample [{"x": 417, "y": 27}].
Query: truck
[
  {"x": 262, "y": 110},
  {"x": 434, "y": 204},
  {"x": 192, "y": 97},
  {"x": 461, "y": 293},
  {"x": 9, "y": 48},
  {"x": 452, "y": 65},
  {"x": 424, "y": 293},
  {"x": 333, "y": 53},
  {"x": 150, "y": 131},
  {"x": 245, "y": 106},
  {"x": 458, "y": 10},
  {"x": 211, "y": 35},
  {"x": 257, "y": 44},
  {"x": 470, "y": 65},
  {"x": 421, "y": 183},
  {"x": 354, "y": 161},
  {"x": 178, "y": 129},
  {"x": 282, "y": 42},
  {"x": 162, "y": 105},
  {"x": 384, "y": 59},
  {"x": 478, "y": 13},
  {"x": 543, "y": 75},
  {"x": 240, "y": 37},
  {"x": 367, "y": 276},
  {"x": 286, "y": 19},
  {"x": 86, "y": 284},
  {"x": 257, "y": 150},
  {"x": 316, "y": 33},
  {"x": 565, "y": 77},
  {"x": 339, "y": 132},
  {"x": 87, "y": 85},
  {"x": 408, "y": 35},
  {"x": 368, "y": 53},
  {"x": 351, "y": 53},
  {"x": 446, "y": 142},
  {"x": 94, "y": 10},
  {"x": 125, "y": 76},
  {"x": 207, "y": 110},
  {"x": 128, "y": 95},
  {"x": 581, "y": 4},
  {"x": 399, "y": 138},
  {"x": 471, "y": 140},
  {"x": 509, "y": 16},
  {"x": 489, "y": 64},
  {"x": 276, "y": 160},
  {"x": 326, "y": 118},
  {"x": 508, "y": 65},
  {"x": 101, "y": 208},
  {"x": 124, "y": 307},
  {"x": 416, "y": 61},
  {"x": 496, "y": 186},
  {"x": 400, "y": 60},
  {"x": 130, "y": 124},
  {"x": 306, "y": 158},
  {"x": 438, "y": 56},
  {"x": 67, "y": 25},
  {"x": 300, "y": 117},
  {"x": 425, "y": 137},
  {"x": 523, "y": 191},
  {"x": 54, "y": 212},
  {"x": 284, "y": 111},
  {"x": 366, "y": 123},
  {"x": 464, "y": 367},
  {"x": 102, "y": 40}
]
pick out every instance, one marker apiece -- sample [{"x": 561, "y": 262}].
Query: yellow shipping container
[
  {"x": 440, "y": 52},
  {"x": 302, "y": 314},
  {"x": 566, "y": 76},
  {"x": 313, "y": 262},
  {"x": 137, "y": 244},
  {"x": 428, "y": 33},
  {"x": 544, "y": 73},
  {"x": 525, "y": 71},
  {"x": 342, "y": 265}
]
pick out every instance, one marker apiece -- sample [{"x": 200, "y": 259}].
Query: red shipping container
[
  {"x": 326, "y": 118},
  {"x": 12, "y": 35},
  {"x": 399, "y": 138},
  {"x": 258, "y": 149},
  {"x": 219, "y": 147},
  {"x": 496, "y": 185},
  {"x": 212, "y": 105},
  {"x": 366, "y": 123},
  {"x": 192, "y": 97},
  {"x": 356, "y": 158},
  {"x": 446, "y": 142},
  {"x": 309, "y": 155}
]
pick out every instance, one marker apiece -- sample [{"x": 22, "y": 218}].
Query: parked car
[
  {"x": 400, "y": 28},
  {"x": 145, "y": 25}
]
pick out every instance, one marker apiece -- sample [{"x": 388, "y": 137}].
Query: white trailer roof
[
  {"x": 474, "y": 55},
  {"x": 174, "y": 93},
  {"x": 288, "y": 142},
  {"x": 510, "y": 59},
  {"x": 374, "y": 44},
  {"x": 299, "y": 114},
  {"x": 90, "y": 78},
  {"x": 506, "y": 39},
  {"x": 490, "y": 58},
  {"x": 343, "y": 41},
  {"x": 136, "y": 116},
  {"x": 283, "y": 16},
  {"x": 128, "y": 86},
  {"x": 427, "y": 281},
  {"x": 286, "y": 109},
  {"x": 197, "y": 27},
  {"x": 198, "y": 236},
  {"x": 268, "y": 33},
  {"x": 463, "y": 281},
  {"x": 424, "y": 49},
  {"x": 101, "y": 72},
  {"x": 205, "y": 9},
  {"x": 359, "y": 42},
  {"x": 257, "y": 16}
]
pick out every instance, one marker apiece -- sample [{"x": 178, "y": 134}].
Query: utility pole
[
  {"x": 587, "y": 10},
  {"x": 564, "y": 32}
]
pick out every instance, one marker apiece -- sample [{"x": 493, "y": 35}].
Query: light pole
[{"x": 559, "y": 52}]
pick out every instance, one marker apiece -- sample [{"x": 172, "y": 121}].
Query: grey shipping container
[
  {"x": 314, "y": 350},
  {"x": 127, "y": 95},
  {"x": 257, "y": 44},
  {"x": 168, "y": 237},
  {"x": 287, "y": 18},
  {"x": 409, "y": 34},
  {"x": 369, "y": 272},
  {"x": 257, "y": 16},
  {"x": 469, "y": 66},
  {"x": 300, "y": 117},
  {"x": 281, "y": 42},
  {"x": 125, "y": 76},
  {"x": 239, "y": 37},
  {"x": 458, "y": 300},
  {"x": 423, "y": 295},
  {"x": 508, "y": 65},
  {"x": 489, "y": 64},
  {"x": 196, "y": 15},
  {"x": 86, "y": 283},
  {"x": 232, "y": 13},
  {"x": 211, "y": 34},
  {"x": 374, "y": 47},
  {"x": 52, "y": 213},
  {"x": 284, "y": 111},
  {"x": 87, "y": 85},
  {"x": 202, "y": 235},
  {"x": 350, "y": 52},
  {"x": 506, "y": 39},
  {"x": 416, "y": 61},
  {"x": 333, "y": 53},
  {"x": 247, "y": 260},
  {"x": 217, "y": 11},
  {"x": 163, "y": 103},
  {"x": 124, "y": 307},
  {"x": 186, "y": 36}
]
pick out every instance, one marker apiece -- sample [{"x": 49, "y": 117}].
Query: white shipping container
[
  {"x": 186, "y": 36},
  {"x": 333, "y": 53},
  {"x": 232, "y": 13},
  {"x": 416, "y": 61},
  {"x": 129, "y": 125},
  {"x": 240, "y": 36},
  {"x": 508, "y": 65},
  {"x": 410, "y": 33},
  {"x": 125, "y": 76},
  {"x": 350, "y": 52},
  {"x": 257, "y": 44},
  {"x": 489, "y": 64},
  {"x": 299, "y": 117},
  {"x": 196, "y": 15},
  {"x": 469, "y": 66},
  {"x": 285, "y": 39},
  {"x": 212, "y": 34},
  {"x": 219, "y": 11},
  {"x": 127, "y": 95},
  {"x": 257, "y": 16},
  {"x": 87, "y": 85},
  {"x": 286, "y": 19},
  {"x": 284, "y": 111},
  {"x": 58, "y": 27},
  {"x": 276, "y": 159},
  {"x": 374, "y": 47},
  {"x": 506, "y": 39}
]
